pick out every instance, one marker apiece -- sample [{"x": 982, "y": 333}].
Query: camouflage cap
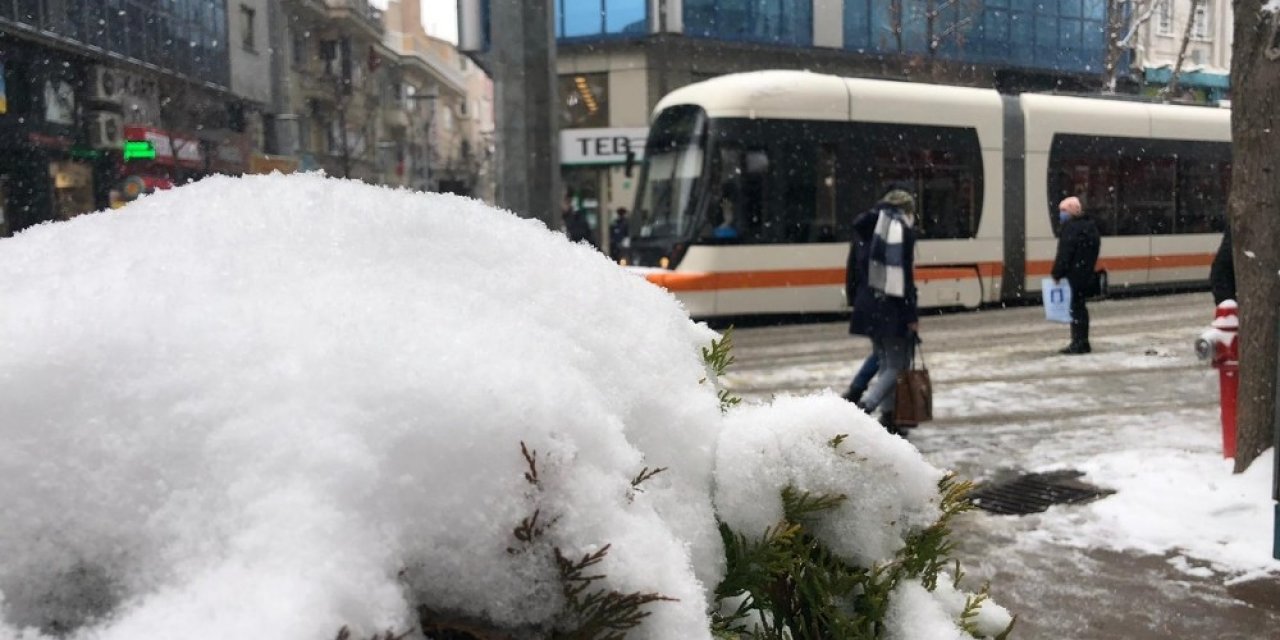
[{"x": 900, "y": 199}]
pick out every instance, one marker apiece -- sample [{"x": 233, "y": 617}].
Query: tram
[{"x": 751, "y": 182}]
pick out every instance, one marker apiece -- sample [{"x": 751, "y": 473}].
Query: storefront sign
[
  {"x": 170, "y": 148},
  {"x": 601, "y": 146},
  {"x": 50, "y": 142},
  {"x": 262, "y": 163},
  {"x": 4, "y": 102}
]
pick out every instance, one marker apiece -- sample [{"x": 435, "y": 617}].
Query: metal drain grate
[{"x": 1036, "y": 492}]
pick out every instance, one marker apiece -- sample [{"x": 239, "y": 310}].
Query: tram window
[
  {"x": 825, "y": 197},
  {"x": 1148, "y": 192},
  {"x": 1202, "y": 202},
  {"x": 734, "y": 211},
  {"x": 752, "y": 223},
  {"x": 941, "y": 165},
  {"x": 796, "y": 177},
  {"x": 1134, "y": 186}
]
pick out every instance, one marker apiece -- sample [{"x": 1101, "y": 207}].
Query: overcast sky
[{"x": 439, "y": 17}]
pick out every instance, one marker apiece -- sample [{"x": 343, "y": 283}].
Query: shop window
[
  {"x": 73, "y": 189},
  {"x": 584, "y": 100}
]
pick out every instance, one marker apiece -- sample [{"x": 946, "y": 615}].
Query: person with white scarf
[{"x": 881, "y": 280}]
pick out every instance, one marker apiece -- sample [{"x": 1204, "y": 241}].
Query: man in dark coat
[
  {"x": 884, "y": 294},
  {"x": 1222, "y": 275},
  {"x": 576, "y": 226},
  {"x": 1078, "y": 245},
  {"x": 619, "y": 235}
]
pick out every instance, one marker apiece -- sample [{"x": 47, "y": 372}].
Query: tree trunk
[
  {"x": 896, "y": 18},
  {"x": 1255, "y": 222},
  {"x": 1172, "y": 89},
  {"x": 1115, "y": 48}
]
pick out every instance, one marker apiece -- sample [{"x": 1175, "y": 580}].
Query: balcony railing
[{"x": 361, "y": 10}]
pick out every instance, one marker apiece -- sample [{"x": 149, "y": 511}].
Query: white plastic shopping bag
[{"x": 1057, "y": 300}]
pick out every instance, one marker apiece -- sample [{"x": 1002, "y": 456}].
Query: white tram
[{"x": 751, "y": 182}]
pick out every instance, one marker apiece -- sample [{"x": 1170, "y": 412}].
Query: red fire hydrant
[{"x": 1218, "y": 345}]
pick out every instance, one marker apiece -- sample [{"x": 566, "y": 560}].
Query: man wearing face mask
[
  {"x": 1077, "y": 261},
  {"x": 884, "y": 300}
]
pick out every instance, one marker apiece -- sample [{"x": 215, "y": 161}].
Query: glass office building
[
  {"x": 601, "y": 18},
  {"x": 1059, "y": 35},
  {"x": 1062, "y": 35},
  {"x": 617, "y": 58},
  {"x": 185, "y": 37}
]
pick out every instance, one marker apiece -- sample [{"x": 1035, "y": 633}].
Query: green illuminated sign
[
  {"x": 139, "y": 150},
  {"x": 84, "y": 153}
]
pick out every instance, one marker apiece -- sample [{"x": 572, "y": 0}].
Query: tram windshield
[{"x": 665, "y": 205}]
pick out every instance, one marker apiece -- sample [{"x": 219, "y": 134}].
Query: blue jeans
[
  {"x": 862, "y": 379},
  {"x": 894, "y": 355}
]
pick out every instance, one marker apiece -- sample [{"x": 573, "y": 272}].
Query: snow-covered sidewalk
[{"x": 1140, "y": 417}]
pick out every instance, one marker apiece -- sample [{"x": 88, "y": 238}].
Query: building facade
[
  {"x": 1206, "y": 68},
  {"x": 104, "y": 100},
  {"x": 446, "y": 112},
  {"x": 617, "y": 58},
  {"x": 336, "y": 66},
  {"x": 79, "y": 77}
]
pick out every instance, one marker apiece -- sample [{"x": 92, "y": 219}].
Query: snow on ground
[
  {"x": 1140, "y": 416},
  {"x": 273, "y": 406}
]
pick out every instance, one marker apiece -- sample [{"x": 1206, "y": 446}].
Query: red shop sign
[{"x": 170, "y": 148}]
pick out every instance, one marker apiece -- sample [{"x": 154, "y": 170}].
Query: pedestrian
[
  {"x": 1222, "y": 275},
  {"x": 1078, "y": 245},
  {"x": 870, "y": 365},
  {"x": 576, "y": 226},
  {"x": 726, "y": 230},
  {"x": 619, "y": 235},
  {"x": 884, "y": 301}
]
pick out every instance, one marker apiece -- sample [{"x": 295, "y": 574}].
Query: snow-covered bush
[{"x": 277, "y": 406}]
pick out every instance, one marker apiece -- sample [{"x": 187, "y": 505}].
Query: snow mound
[{"x": 272, "y": 406}]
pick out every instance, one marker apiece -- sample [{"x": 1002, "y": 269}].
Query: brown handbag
[{"x": 913, "y": 402}]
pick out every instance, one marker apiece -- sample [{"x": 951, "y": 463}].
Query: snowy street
[{"x": 1181, "y": 550}]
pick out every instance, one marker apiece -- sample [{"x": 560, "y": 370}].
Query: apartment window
[
  {"x": 246, "y": 23},
  {"x": 1200, "y": 22},
  {"x": 1164, "y": 18},
  {"x": 300, "y": 49}
]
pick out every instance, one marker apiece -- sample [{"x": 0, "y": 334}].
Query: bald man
[{"x": 1077, "y": 261}]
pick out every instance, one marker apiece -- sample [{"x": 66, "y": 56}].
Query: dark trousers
[{"x": 1079, "y": 319}]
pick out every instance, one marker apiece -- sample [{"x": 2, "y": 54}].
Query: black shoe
[
  {"x": 1076, "y": 349},
  {"x": 887, "y": 421},
  {"x": 854, "y": 395}
]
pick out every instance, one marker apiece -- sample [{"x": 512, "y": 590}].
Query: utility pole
[{"x": 514, "y": 42}]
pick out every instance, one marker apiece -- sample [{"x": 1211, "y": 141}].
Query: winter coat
[
  {"x": 875, "y": 314},
  {"x": 1078, "y": 245},
  {"x": 576, "y": 227},
  {"x": 1222, "y": 275}
]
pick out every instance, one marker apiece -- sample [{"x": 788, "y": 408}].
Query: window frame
[{"x": 249, "y": 19}]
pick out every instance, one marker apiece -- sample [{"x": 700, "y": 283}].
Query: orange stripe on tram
[
  {"x": 691, "y": 281},
  {"x": 1135, "y": 263}
]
